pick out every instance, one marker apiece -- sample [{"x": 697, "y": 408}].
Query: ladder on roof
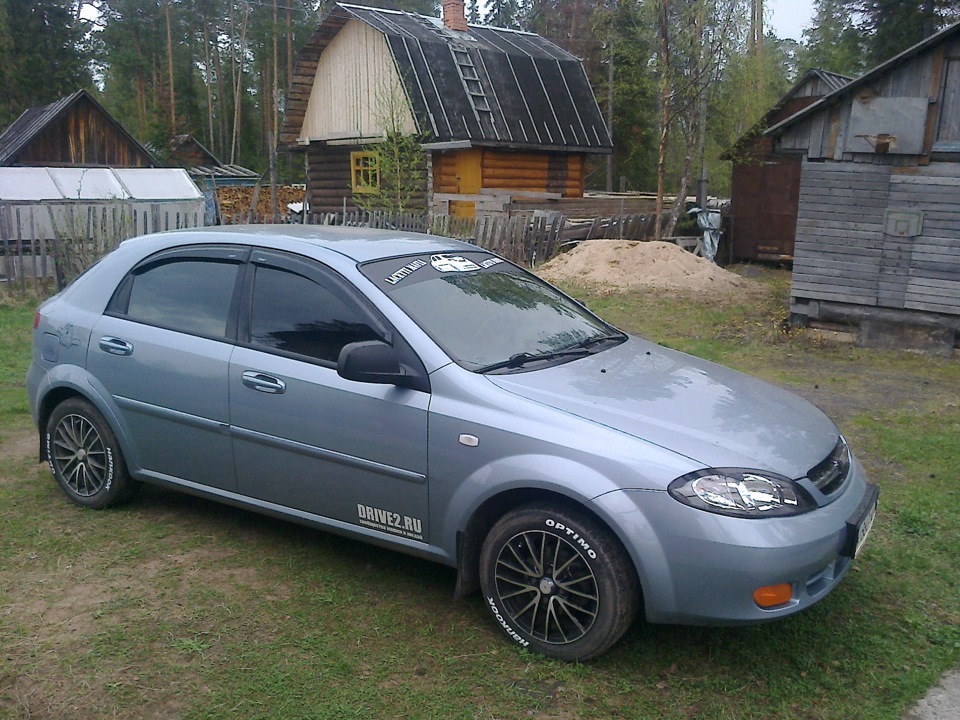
[{"x": 473, "y": 86}]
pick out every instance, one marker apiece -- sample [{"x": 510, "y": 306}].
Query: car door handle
[
  {"x": 116, "y": 346},
  {"x": 263, "y": 383}
]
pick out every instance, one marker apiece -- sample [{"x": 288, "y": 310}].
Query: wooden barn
[
  {"x": 501, "y": 113},
  {"x": 878, "y": 223},
  {"x": 74, "y": 131},
  {"x": 765, "y": 187}
]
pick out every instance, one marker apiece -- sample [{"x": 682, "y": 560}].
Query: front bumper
[{"x": 701, "y": 568}]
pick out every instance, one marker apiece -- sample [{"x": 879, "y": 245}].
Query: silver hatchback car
[{"x": 425, "y": 395}]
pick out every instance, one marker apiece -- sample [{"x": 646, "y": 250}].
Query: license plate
[{"x": 861, "y": 522}]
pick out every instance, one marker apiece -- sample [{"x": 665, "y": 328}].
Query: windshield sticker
[
  {"x": 407, "y": 269},
  {"x": 452, "y": 263},
  {"x": 491, "y": 262}
]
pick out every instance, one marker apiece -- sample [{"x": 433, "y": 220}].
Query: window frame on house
[{"x": 364, "y": 178}]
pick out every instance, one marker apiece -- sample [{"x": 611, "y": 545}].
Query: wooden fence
[
  {"x": 528, "y": 238},
  {"x": 46, "y": 244}
]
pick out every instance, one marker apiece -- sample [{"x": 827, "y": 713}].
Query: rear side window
[
  {"x": 192, "y": 295},
  {"x": 299, "y": 315}
]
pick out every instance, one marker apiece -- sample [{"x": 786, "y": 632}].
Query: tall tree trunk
[
  {"x": 272, "y": 137},
  {"x": 610, "y": 69},
  {"x": 238, "y": 89},
  {"x": 663, "y": 30},
  {"x": 702, "y": 86},
  {"x": 173, "y": 99},
  {"x": 221, "y": 102},
  {"x": 209, "y": 77}
]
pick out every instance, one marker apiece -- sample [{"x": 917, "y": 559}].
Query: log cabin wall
[
  {"x": 329, "y": 182},
  {"x": 328, "y": 179},
  {"x": 505, "y": 170}
]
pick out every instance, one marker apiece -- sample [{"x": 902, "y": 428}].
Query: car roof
[{"x": 357, "y": 243}]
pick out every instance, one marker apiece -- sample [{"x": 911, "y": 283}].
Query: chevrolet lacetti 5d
[{"x": 425, "y": 395}]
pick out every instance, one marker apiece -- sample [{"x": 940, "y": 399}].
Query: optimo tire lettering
[{"x": 573, "y": 535}]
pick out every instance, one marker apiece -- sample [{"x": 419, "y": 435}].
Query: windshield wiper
[
  {"x": 597, "y": 339},
  {"x": 520, "y": 359}
]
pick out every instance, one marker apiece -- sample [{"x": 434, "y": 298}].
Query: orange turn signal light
[{"x": 772, "y": 595}]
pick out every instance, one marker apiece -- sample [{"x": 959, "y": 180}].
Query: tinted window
[
  {"x": 190, "y": 295},
  {"x": 295, "y": 314}
]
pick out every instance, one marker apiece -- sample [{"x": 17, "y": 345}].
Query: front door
[{"x": 305, "y": 438}]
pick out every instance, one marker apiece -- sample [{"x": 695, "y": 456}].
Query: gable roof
[
  {"x": 831, "y": 81},
  {"x": 868, "y": 77},
  {"x": 487, "y": 86},
  {"x": 200, "y": 163},
  {"x": 33, "y": 121}
]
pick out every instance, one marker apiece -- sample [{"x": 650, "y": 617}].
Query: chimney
[{"x": 454, "y": 15}]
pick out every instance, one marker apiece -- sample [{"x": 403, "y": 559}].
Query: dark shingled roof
[
  {"x": 487, "y": 87},
  {"x": 33, "y": 121}
]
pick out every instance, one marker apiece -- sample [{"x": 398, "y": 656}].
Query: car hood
[{"x": 708, "y": 413}]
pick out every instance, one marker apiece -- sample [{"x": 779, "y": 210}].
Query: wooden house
[
  {"x": 765, "y": 187},
  {"x": 500, "y": 113},
  {"x": 74, "y": 131},
  {"x": 878, "y": 223}
]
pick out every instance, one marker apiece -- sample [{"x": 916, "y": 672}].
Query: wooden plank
[
  {"x": 947, "y": 309},
  {"x": 817, "y": 293}
]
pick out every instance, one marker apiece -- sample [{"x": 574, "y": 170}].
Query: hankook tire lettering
[{"x": 503, "y": 623}]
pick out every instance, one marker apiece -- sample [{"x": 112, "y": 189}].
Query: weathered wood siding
[
  {"x": 850, "y": 250},
  {"x": 925, "y": 271},
  {"x": 915, "y": 101},
  {"x": 83, "y": 136},
  {"x": 356, "y": 91}
]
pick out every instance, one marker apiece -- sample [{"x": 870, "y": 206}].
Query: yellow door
[{"x": 469, "y": 181}]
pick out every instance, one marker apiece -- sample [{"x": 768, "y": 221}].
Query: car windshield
[{"x": 488, "y": 315}]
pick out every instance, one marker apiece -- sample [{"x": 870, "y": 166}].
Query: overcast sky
[{"x": 788, "y": 18}]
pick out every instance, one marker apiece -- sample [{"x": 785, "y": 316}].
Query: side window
[
  {"x": 364, "y": 172},
  {"x": 192, "y": 295},
  {"x": 298, "y": 315}
]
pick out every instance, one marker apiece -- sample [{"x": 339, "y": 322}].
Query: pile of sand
[{"x": 619, "y": 265}]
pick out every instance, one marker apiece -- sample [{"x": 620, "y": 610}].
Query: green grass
[{"x": 178, "y": 607}]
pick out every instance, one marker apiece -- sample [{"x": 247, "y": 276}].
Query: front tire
[
  {"x": 557, "y": 582},
  {"x": 85, "y": 457}
]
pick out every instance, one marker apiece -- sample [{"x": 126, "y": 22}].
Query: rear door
[
  {"x": 162, "y": 351},
  {"x": 304, "y": 437}
]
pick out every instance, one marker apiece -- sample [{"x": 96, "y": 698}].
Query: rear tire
[
  {"x": 557, "y": 582},
  {"x": 85, "y": 457}
]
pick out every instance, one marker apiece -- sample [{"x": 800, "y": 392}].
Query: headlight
[{"x": 741, "y": 493}]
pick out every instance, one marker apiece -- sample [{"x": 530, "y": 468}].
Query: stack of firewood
[{"x": 234, "y": 202}]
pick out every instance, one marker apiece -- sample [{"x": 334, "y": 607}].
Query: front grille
[{"x": 830, "y": 474}]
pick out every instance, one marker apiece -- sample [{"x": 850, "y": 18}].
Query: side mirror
[{"x": 372, "y": 361}]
